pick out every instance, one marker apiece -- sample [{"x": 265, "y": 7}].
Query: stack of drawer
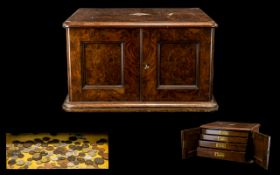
[
  {"x": 224, "y": 144},
  {"x": 227, "y": 141},
  {"x": 239, "y": 142}
]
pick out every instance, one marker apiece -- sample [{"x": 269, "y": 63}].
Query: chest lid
[
  {"x": 139, "y": 17},
  {"x": 234, "y": 126}
]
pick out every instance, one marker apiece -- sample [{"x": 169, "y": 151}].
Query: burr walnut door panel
[
  {"x": 176, "y": 64},
  {"x": 104, "y": 64},
  {"x": 261, "y": 144},
  {"x": 189, "y": 142}
]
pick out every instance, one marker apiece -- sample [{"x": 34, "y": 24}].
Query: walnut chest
[
  {"x": 239, "y": 142},
  {"x": 149, "y": 59}
]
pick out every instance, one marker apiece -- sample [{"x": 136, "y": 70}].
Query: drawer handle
[{"x": 146, "y": 66}]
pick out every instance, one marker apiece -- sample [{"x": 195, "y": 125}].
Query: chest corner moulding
[{"x": 140, "y": 60}]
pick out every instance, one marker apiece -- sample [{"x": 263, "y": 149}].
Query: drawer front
[
  {"x": 223, "y": 138},
  {"x": 226, "y": 146},
  {"x": 221, "y": 154},
  {"x": 103, "y": 64},
  {"x": 225, "y": 132},
  {"x": 176, "y": 64}
]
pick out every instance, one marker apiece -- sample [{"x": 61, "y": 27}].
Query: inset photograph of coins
[{"x": 57, "y": 151}]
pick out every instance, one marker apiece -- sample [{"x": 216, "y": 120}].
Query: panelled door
[
  {"x": 104, "y": 64},
  {"x": 175, "y": 64}
]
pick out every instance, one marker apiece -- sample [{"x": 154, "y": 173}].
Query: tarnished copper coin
[
  {"x": 37, "y": 156},
  {"x": 72, "y": 147},
  {"x": 20, "y": 162},
  {"x": 20, "y": 156},
  {"x": 101, "y": 141},
  {"x": 89, "y": 162},
  {"x": 12, "y": 162},
  {"x": 44, "y": 144},
  {"x": 79, "y": 148},
  {"x": 80, "y": 160},
  {"x": 85, "y": 145},
  {"x": 44, "y": 153},
  {"x": 37, "y": 140},
  {"x": 31, "y": 152},
  {"x": 61, "y": 158},
  {"x": 46, "y": 139},
  {"x": 99, "y": 161},
  {"x": 81, "y": 154},
  {"x": 73, "y": 138},
  {"x": 27, "y": 144},
  {"x": 50, "y": 148},
  {"x": 71, "y": 158},
  {"x": 37, "y": 150},
  {"x": 77, "y": 143},
  {"x": 45, "y": 159},
  {"x": 105, "y": 156}
]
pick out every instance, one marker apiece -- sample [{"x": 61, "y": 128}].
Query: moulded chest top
[
  {"x": 139, "y": 17},
  {"x": 231, "y": 126}
]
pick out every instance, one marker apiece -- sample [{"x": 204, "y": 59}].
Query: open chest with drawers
[{"x": 239, "y": 142}]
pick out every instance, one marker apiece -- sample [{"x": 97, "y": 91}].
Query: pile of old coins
[{"x": 57, "y": 151}]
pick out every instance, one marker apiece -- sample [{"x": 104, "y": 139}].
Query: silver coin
[
  {"x": 70, "y": 164},
  {"x": 50, "y": 153},
  {"x": 35, "y": 147},
  {"x": 38, "y": 144},
  {"x": 20, "y": 162},
  {"x": 95, "y": 150},
  {"x": 70, "y": 150},
  {"x": 26, "y": 150},
  {"x": 68, "y": 154},
  {"x": 54, "y": 158},
  {"x": 62, "y": 144},
  {"x": 76, "y": 153},
  {"x": 20, "y": 145},
  {"x": 88, "y": 157},
  {"x": 28, "y": 163},
  {"x": 92, "y": 153}
]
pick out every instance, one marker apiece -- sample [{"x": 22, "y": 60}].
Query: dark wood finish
[
  {"x": 224, "y": 138},
  {"x": 139, "y": 17},
  {"x": 261, "y": 144},
  {"x": 223, "y": 145},
  {"x": 225, "y": 132},
  {"x": 232, "y": 141},
  {"x": 178, "y": 61},
  {"x": 222, "y": 154},
  {"x": 103, "y": 64},
  {"x": 151, "y": 59},
  {"x": 234, "y": 126},
  {"x": 189, "y": 138}
]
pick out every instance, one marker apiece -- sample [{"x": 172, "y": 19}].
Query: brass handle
[{"x": 146, "y": 66}]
